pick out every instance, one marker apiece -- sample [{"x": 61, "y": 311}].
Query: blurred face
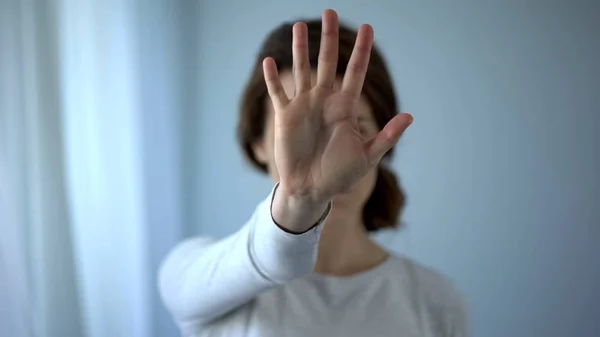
[{"x": 264, "y": 150}]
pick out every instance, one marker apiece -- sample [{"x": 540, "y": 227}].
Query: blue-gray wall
[{"x": 501, "y": 165}]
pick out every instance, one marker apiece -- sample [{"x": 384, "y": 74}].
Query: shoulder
[
  {"x": 441, "y": 297},
  {"x": 438, "y": 289}
]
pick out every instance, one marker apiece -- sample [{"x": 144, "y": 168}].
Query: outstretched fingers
[
  {"x": 388, "y": 137},
  {"x": 274, "y": 87}
]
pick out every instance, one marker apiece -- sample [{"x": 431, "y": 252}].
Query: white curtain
[
  {"x": 37, "y": 270},
  {"x": 92, "y": 94}
]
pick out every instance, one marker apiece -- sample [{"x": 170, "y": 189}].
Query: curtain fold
[
  {"x": 36, "y": 252},
  {"x": 103, "y": 141}
]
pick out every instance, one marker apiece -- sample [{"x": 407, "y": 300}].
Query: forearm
[{"x": 202, "y": 280}]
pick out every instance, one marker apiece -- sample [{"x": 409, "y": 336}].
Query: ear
[{"x": 258, "y": 148}]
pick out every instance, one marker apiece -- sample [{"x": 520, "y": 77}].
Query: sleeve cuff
[{"x": 280, "y": 255}]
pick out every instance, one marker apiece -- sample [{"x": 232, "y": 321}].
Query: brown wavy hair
[{"x": 384, "y": 207}]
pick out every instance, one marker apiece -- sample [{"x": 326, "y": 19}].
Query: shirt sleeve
[{"x": 202, "y": 278}]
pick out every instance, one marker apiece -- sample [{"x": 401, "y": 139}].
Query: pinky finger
[{"x": 274, "y": 87}]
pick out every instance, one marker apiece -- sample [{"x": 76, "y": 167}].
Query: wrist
[
  {"x": 297, "y": 213},
  {"x": 304, "y": 197}
]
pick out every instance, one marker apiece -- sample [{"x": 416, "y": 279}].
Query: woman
[{"x": 304, "y": 265}]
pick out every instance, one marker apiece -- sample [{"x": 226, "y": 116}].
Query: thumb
[{"x": 377, "y": 146}]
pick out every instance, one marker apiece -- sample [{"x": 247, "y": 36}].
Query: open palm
[{"x": 319, "y": 149}]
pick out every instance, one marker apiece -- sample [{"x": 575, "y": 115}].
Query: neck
[{"x": 345, "y": 247}]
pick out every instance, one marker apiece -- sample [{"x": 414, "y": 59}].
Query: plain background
[{"x": 500, "y": 166}]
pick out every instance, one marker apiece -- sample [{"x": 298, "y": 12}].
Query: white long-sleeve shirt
[{"x": 260, "y": 282}]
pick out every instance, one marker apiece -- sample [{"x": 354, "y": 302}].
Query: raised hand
[{"x": 319, "y": 149}]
